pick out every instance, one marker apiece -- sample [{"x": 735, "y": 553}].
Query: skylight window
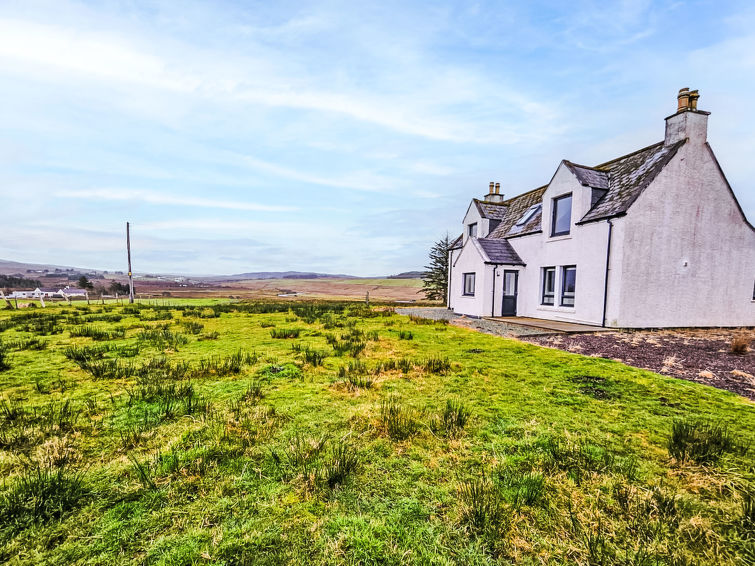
[{"x": 531, "y": 211}]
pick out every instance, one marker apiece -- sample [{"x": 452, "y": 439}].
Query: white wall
[
  {"x": 470, "y": 261},
  {"x": 688, "y": 256},
  {"x": 473, "y": 216},
  {"x": 584, "y": 246}
]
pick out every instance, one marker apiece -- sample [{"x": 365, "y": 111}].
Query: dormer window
[
  {"x": 472, "y": 230},
  {"x": 561, "y": 215}
]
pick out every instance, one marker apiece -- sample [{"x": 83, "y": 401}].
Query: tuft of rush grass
[
  {"x": 285, "y": 332},
  {"x": 39, "y": 495},
  {"x": 521, "y": 487},
  {"x": 342, "y": 463},
  {"x": 483, "y": 510},
  {"x": 493, "y": 452},
  {"x": 453, "y": 419},
  {"x": 162, "y": 337},
  {"x": 33, "y": 343},
  {"x": 4, "y": 357},
  {"x": 436, "y": 365},
  {"x": 399, "y": 421},
  {"x": 97, "y": 333},
  {"x": 702, "y": 442}
]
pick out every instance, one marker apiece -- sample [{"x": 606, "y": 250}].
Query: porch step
[{"x": 550, "y": 325}]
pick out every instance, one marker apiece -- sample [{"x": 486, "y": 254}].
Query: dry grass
[
  {"x": 671, "y": 363},
  {"x": 740, "y": 344}
]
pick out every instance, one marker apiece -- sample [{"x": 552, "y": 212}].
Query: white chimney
[
  {"x": 494, "y": 194},
  {"x": 688, "y": 122}
]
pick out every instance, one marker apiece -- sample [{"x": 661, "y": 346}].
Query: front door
[{"x": 509, "y": 293}]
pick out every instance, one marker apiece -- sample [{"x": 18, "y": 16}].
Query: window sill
[
  {"x": 559, "y": 238},
  {"x": 550, "y": 308}
]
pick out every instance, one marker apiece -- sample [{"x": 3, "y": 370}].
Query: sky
[{"x": 340, "y": 137}]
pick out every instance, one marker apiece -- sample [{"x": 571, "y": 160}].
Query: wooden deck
[{"x": 550, "y": 325}]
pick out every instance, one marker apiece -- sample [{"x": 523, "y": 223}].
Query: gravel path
[{"x": 479, "y": 324}]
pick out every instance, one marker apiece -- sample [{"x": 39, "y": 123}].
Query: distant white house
[
  {"x": 49, "y": 293},
  {"x": 44, "y": 292},
  {"x": 72, "y": 292},
  {"x": 20, "y": 295},
  {"x": 655, "y": 238}
]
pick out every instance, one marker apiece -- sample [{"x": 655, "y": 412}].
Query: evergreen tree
[
  {"x": 84, "y": 283},
  {"x": 435, "y": 280}
]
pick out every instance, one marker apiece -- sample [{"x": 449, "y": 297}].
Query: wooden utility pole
[
  {"x": 7, "y": 300},
  {"x": 130, "y": 275}
]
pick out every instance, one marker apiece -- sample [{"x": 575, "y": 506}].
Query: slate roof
[
  {"x": 589, "y": 176},
  {"x": 457, "y": 243},
  {"x": 492, "y": 210},
  {"x": 515, "y": 209},
  {"x": 500, "y": 251},
  {"x": 623, "y": 179},
  {"x": 628, "y": 177}
]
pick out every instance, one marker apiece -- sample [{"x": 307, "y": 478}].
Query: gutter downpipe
[
  {"x": 495, "y": 267},
  {"x": 608, "y": 262},
  {"x": 448, "y": 283}
]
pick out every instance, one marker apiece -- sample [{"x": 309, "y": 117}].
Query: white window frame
[
  {"x": 465, "y": 278},
  {"x": 554, "y": 212},
  {"x": 552, "y": 294},
  {"x": 573, "y": 294}
]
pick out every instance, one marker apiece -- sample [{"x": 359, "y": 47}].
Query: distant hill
[
  {"x": 408, "y": 275},
  {"x": 279, "y": 275},
  {"x": 40, "y": 269}
]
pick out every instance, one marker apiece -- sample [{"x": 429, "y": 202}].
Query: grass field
[{"x": 330, "y": 433}]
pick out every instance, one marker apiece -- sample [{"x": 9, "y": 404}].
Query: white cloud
[{"x": 155, "y": 197}]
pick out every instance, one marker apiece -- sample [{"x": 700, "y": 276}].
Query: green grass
[{"x": 451, "y": 448}]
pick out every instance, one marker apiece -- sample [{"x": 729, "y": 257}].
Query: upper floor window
[
  {"x": 549, "y": 285},
  {"x": 472, "y": 229},
  {"x": 568, "y": 285},
  {"x": 561, "y": 221},
  {"x": 468, "y": 284}
]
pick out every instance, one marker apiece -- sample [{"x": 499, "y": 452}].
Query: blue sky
[{"x": 333, "y": 136}]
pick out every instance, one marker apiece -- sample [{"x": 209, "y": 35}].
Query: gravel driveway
[{"x": 480, "y": 324}]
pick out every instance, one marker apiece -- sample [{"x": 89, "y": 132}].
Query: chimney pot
[
  {"x": 491, "y": 187},
  {"x": 683, "y": 99},
  {"x": 688, "y": 122},
  {"x": 497, "y": 188},
  {"x": 693, "y": 96}
]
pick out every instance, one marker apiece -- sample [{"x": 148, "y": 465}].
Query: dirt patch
[{"x": 702, "y": 355}]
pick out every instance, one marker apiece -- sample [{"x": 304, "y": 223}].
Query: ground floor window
[
  {"x": 468, "y": 284},
  {"x": 549, "y": 285},
  {"x": 568, "y": 285}
]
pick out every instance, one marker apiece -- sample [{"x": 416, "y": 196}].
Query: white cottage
[{"x": 655, "y": 238}]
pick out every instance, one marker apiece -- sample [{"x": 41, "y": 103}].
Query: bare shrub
[{"x": 740, "y": 344}]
